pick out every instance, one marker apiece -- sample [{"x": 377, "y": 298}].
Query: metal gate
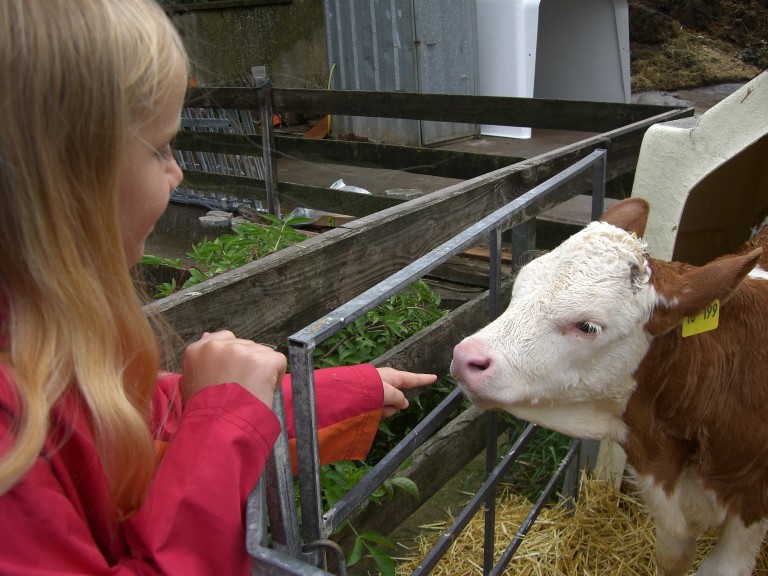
[{"x": 292, "y": 550}]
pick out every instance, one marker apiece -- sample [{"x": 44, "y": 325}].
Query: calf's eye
[{"x": 588, "y": 328}]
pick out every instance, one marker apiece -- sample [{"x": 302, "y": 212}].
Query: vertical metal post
[
  {"x": 523, "y": 243},
  {"x": 263, "y": 87},
  {"x": 494, "y": 310},
  {"x": 571, "y": 480},
  {"x": 280, "y": 497},
  {"x": 490, "y": 501},
  {"x": 598, "y": 186},
  {"x": 307, "y": 448},
  {"x": 494, "y": 275},
  {"x": 255, "y": 521}
]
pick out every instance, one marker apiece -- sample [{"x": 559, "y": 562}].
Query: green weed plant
[
  {"x": 392, "y": 322},
  {"x": 248, "y": 242}
]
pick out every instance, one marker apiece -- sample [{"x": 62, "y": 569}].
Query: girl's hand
[
  {"x": 220, "y": 357},
  {"x": 393, "y": 380}
]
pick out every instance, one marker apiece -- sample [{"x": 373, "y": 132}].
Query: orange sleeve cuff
[{"x": 350, "y": 439}]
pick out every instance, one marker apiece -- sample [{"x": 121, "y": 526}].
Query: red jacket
[{"x": 56, "y": 519}]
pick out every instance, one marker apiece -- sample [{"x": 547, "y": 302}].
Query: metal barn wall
[{"x": 427, "y": 46}]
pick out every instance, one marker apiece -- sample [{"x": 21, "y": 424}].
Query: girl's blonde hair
[{"x": 79, "y": 77}]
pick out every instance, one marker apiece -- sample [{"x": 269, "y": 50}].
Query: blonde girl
[{"x": 90, "y": 101}]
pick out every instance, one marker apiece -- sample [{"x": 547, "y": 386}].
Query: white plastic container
[{"x": 558, "y": 49}]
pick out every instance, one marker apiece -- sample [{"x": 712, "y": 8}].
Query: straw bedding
[{"x": 608, "y": 532}]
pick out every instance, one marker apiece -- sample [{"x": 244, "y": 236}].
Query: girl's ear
[{"x": 630, "y": 214}]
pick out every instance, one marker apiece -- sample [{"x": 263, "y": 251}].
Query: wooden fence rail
[{"x": 269, "y": 299}]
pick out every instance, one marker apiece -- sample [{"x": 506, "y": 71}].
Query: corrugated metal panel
[
  {"x": 446, "y": 54},
  {"x": 373, "y": 44}
]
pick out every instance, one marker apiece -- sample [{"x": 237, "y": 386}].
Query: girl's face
[{"x": 149, "y": 172}]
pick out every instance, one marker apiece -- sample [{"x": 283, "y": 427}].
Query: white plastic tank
[{"x": 558, "y": 49}]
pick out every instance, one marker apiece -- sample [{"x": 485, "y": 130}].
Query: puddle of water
[{"x": 177, "y": 230}]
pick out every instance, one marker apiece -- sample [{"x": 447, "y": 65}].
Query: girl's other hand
[
  {"x": 394, "y": 380},
  {"x": 220, "y": 357}
]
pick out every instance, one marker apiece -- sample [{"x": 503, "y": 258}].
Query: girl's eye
[{"x": 164, "y": 153}]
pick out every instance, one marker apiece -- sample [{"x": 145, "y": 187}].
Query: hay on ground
[{"x": 608, "y": 532}]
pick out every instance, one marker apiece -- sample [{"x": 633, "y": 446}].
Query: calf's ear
[
  {"x": 630, "y": 214},
  {"x": 690, "y": 289}
]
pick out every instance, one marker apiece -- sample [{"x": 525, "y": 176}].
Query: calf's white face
[{"x": 562, "y": 355}]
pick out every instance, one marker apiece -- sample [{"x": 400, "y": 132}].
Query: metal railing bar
[
  {"x": 307, "y": 449},
  {"x": 489, "y": 532},
  {"x": 507, "y": 555},
  {"x": 429, "y": 562},
  {"x": 494, "y": 309},
  {"x": 281, "y": 502},
  {"x": 263, "y": 91},
  {"x": 302, "y": 343},
  {"x": 598, "y": 187},
  {"x": 358, "y": 495},
  {"x": 266, "y": 561},
  {"x": 494, "y": 275},
  {"x": 515, "y": 212}
]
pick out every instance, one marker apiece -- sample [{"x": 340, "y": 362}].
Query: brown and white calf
[{"x": 591, "y": 346}]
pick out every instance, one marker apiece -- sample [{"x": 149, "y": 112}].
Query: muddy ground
[{"x": 683, "y": 44}]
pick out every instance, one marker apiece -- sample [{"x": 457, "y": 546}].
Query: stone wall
[{"x": 224, "y": 43}]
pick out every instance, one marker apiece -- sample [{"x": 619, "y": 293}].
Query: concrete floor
[
  {"x": 179, "y": 228},
  {"x": 378, "y": 181}
]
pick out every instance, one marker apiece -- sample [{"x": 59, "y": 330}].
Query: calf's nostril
[
  {"x": 470, "y": 363},
  {"x": 480, "y": 364}
]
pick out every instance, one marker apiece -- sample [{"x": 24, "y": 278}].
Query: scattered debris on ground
[{"x": 687, "y": 44}]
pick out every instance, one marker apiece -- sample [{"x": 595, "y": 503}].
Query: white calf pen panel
[
  {"x": 706, "y": 177},
  {"x": 556, "y": 49}
]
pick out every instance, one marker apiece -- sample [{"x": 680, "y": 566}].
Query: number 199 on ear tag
[{"x": 704, "y": 321}]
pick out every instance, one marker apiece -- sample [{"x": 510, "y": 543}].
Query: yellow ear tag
[{"x": 704, "y": 321}]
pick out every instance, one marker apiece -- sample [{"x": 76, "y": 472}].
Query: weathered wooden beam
[
  {"x": 457, "y": 443},
  {"x": 430, "y": 161},
  {"x": 271, "y": 298},
  {"x": 220, "y": 5},
  {"x": 417, "y": 160},
  {"x": 431, "y": 349},
  {"x": 499, "y": 110},
  {"x": 291, "y": 194}
]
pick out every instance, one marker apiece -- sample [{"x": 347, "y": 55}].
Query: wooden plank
[
  {"x": 534, "y": 112},
  {"x": 220, "y": 5},
  {"x": 485, "y": 254},
  {"x": 318, "y": 198},
  {"x": 273, "y": 297},
  {"x": 416, "y": 160},
  {"x": 458, "y": 442},
  {"x": 431, "y": 349},
  {"x": 439, "y": 460},
  {"x": 430, "y": 161}
]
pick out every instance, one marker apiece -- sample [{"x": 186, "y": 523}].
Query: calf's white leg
[
  {"x": 674, "y": 552},
  {"x": 736, "y": 550},
  {"x": 680, "y": 516}
]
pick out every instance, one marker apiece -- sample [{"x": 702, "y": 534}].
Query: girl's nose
[{"x": 176, "y": 175}]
